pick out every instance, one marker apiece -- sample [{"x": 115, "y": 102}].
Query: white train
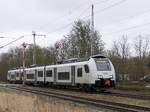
[{"x": 95, "y": 73}]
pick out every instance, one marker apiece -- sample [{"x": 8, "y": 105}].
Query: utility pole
[
  {"x": 34, "y": 42},
  {"x": 34, "y": 49},
  {"x": 92, "y": 29},
  {"x": 92, "y": 17}
]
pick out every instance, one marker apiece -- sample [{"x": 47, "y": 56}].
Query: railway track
[
  {"x": 128, "y": 95},
  {"x": 112, "y": 93},
  {"x": 88, "y": 101}
]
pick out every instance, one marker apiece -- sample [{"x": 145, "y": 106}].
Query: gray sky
[{"x": 54, "y": 18}]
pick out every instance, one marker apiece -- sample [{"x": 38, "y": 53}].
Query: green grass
[{"x": 133, "y": 86}]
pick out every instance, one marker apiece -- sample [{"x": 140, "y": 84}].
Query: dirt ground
[{"x": 14, "y": 101}]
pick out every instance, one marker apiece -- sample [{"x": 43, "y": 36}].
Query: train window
[
  {"x": 79, "y": 72},
  {"x": 12, "y": 76},
  {"x": 30, "y": 76},
  {"x": 49, "y": 73},
  {"x": 63, "y": 75},
  {"x": 86, "y": 67},
  {"x": 40, "y": 73}
]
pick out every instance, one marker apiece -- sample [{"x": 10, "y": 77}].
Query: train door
[
  {"x": 35, "y": 76},
  {"x": 44, "y": 75},
  {"x": 22, "y": 77},
  {"x": 80, "y": 74},
  {"x": 73, "y": 75},
  {"x": 55, "y": 75}
]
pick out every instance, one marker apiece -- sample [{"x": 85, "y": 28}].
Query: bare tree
[
  {"x": 119, "y": 54},
  {"x": 141, "y": 46},
  {"x": 120, "y": 48},
  {"x": 124, "y": 47},
  {"x": 114, "y": 52}
]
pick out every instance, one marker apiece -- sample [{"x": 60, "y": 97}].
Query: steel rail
[
  {"x": 133, "y": 96},
  {"x": 110, "y": 93}
]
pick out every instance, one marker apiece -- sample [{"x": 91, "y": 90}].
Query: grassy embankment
[{"x": 134, "y": 86}]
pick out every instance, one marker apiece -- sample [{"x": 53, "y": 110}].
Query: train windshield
[{"x": 102, "y": 65}]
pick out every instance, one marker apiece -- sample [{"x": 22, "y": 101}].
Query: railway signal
[{"x": 24, "y": 46}]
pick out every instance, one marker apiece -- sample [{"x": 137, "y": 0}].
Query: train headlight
[
  {"x": 100, "y": 76},
  {"x": 111, "y": 76}
]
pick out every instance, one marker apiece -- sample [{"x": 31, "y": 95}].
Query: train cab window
[
  {"x": 40, "y": 73},
  {"x": 86, "y": 67},
  {"x": 49, "y": 73},
  {"x": 12, "y": 76},
  {"x": 79, "y": 72}
]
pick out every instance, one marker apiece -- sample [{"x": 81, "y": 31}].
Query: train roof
[
  {"x": 30, "y": 68},
  {"x": 14, "y": 70},
  {"x": 68, "y": 62}
]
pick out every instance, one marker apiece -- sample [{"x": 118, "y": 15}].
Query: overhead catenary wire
[
  {"x": 11, "y": 42},
  {"x": 106, "y": 8},
  {"x": 129, "y": 28},
  {"x": 61, "y": 28},
  {"x": 110, "y": 6},
  {"x": 63, "y": 16},
  {"x": 99, "y": 2},
  {"x": 130, "y": 17},
  {"x": 66, "y": 15},
  {"x": 81, "y": 14},
  {"x": 70, "y": 23}
]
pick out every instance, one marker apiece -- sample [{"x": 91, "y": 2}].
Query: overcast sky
[{"x": 54, "y": 18}]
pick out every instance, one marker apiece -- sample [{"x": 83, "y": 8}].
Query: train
[{"x": 96, "y": 72}]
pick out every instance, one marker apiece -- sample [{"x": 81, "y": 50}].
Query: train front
[{"x": 102, "y": 72}]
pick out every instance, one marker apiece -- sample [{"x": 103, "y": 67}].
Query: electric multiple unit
[{"x": 97, "y": 72}]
